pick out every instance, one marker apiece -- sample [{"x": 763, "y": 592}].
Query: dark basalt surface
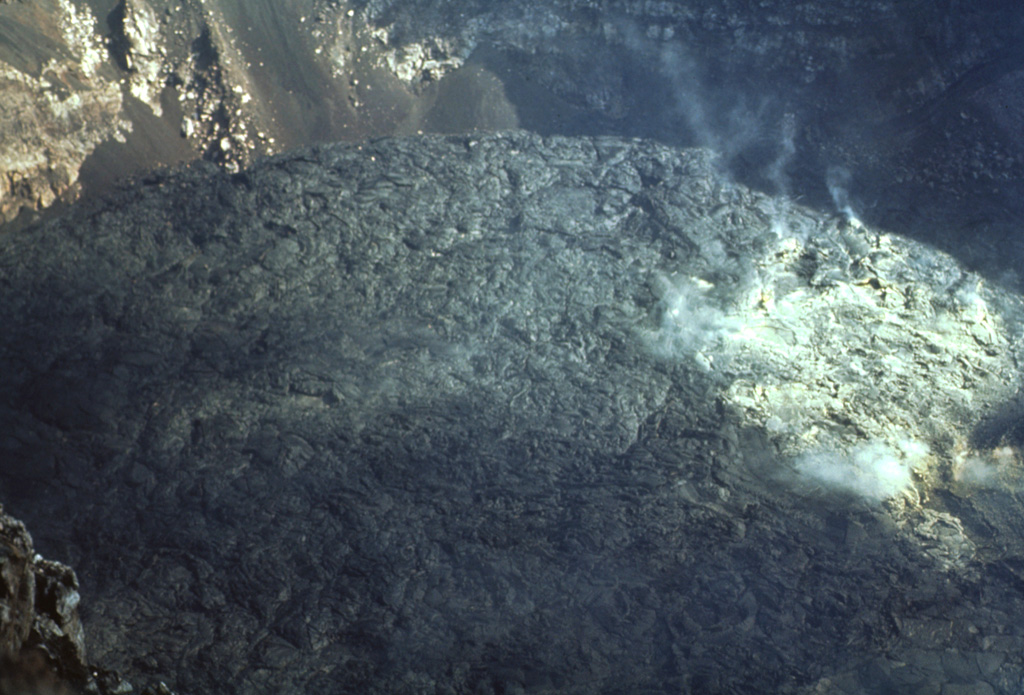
[{"x": 423, "y": 415}]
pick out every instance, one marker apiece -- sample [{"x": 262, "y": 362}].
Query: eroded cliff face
[
  {"x": 59, "y": 101},
  {"x": 150, "y": 82}
]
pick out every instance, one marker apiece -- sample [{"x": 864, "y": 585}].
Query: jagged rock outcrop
[
  {"x": 18, "y": 584},
  {"x": 42, "y": 644},
  {"x": 516, "y": 414}
]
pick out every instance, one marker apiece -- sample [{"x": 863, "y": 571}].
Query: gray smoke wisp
[
  {"x": 787, "y": 150},
  {"x": 838, "y": 180}
]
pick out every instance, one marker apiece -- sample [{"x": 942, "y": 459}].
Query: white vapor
[
  {"x": 838, "y": 181},
  {"x": 873, "y": 470},
  {"x": 691, "y": 322}
]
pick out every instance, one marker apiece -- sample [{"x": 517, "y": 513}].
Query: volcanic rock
[{"x": 513, "y": 413}]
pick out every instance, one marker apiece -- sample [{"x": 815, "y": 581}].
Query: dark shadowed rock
[
  {"x": 42, "y": 645},
  {"x": 514, "y": 414}
]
